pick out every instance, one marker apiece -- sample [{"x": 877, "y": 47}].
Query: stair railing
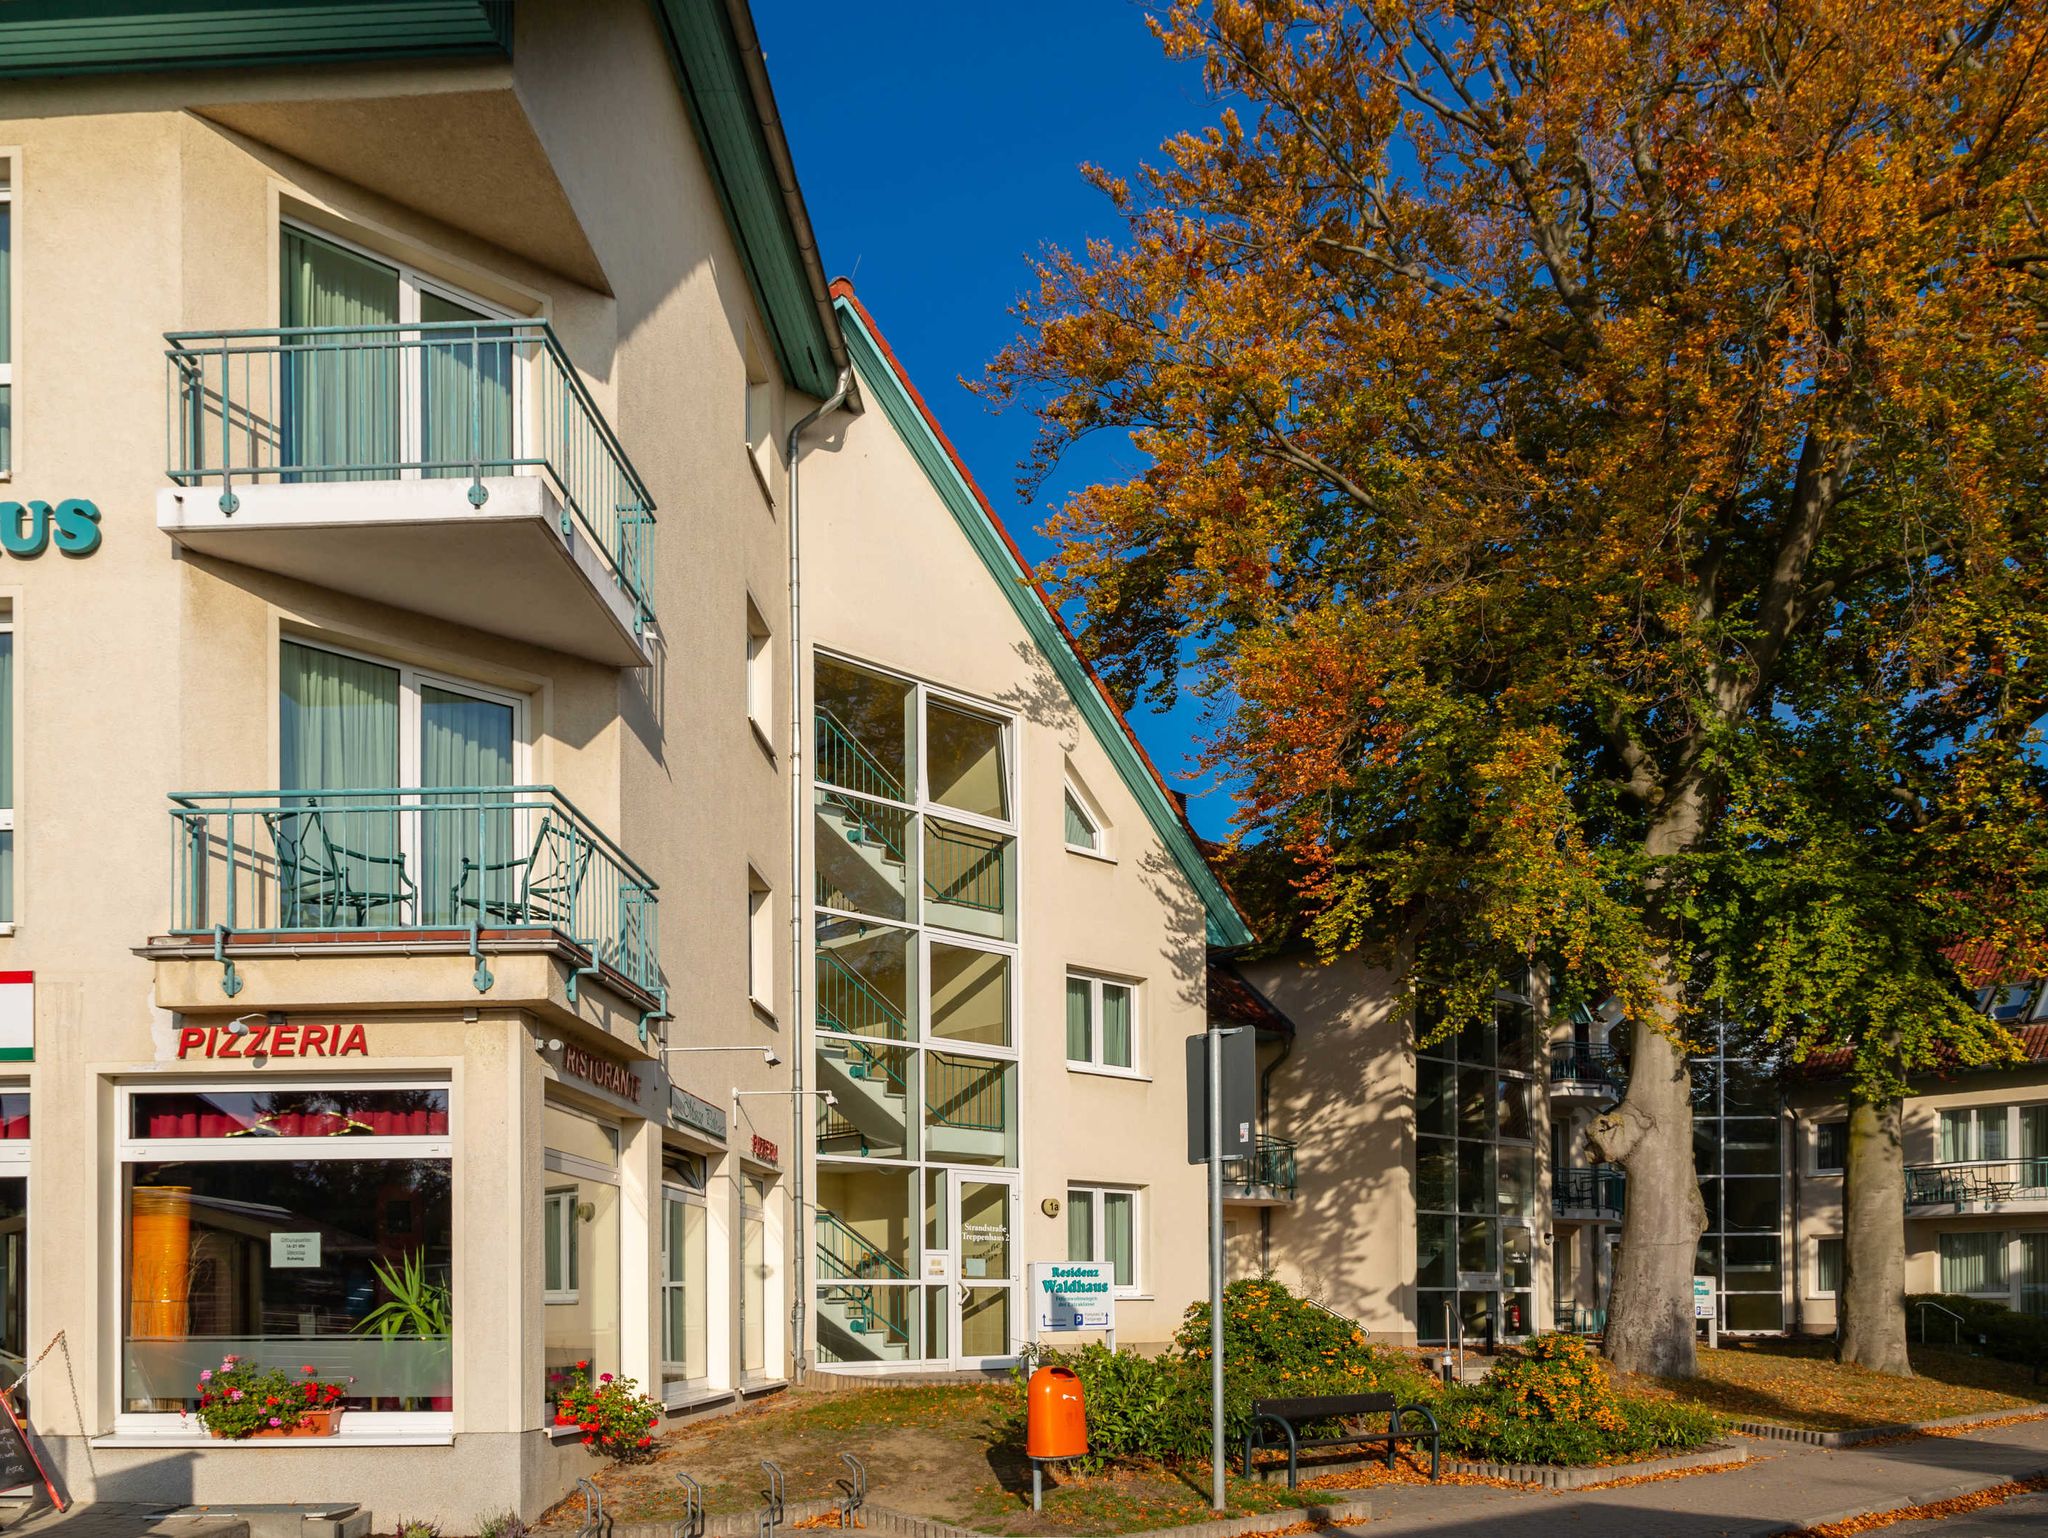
[
  {"x": 849, "y": 1002},
  {"x": 964, "y": 1095},
  {"x": 850, "y": 1254},
  {"x": 843, "y": 759}
]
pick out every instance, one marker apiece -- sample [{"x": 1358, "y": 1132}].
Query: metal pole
[{"x": 1216, "y": 1270}]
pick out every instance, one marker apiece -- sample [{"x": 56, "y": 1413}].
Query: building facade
[{"x": 502, "y": 873}]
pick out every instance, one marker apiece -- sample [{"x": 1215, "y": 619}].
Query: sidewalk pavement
[{"x": 1785, "y": 1485}]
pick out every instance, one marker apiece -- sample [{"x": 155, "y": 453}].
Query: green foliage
[
  {"x": 416, "y": 1305},
  {"x": 617, "y": 1420},
  {"x": 417, "y": 1527},
  {"x": 500, "y": 1524},
  {"x": 1554, "y": 1403},
  {"x": 1999, "y": 1331},
  {"x": 238, "y": 1399}
]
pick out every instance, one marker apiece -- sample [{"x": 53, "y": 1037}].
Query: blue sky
[{"x": 939, "y": 146}]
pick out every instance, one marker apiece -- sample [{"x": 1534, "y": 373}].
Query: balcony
[
  {"x": 1977, "y": 1185},
  {"x": 452, "y": 468},
  {"x": 1586, "y": 1072},
  {"x": 1590, "y": 1194},
  {"x": 1265, "y": 1177},
  {"x": 470, "y": 871}
]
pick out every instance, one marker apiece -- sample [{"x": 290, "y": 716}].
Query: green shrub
[
  {"x": 1553, "y": 1402},
  {"x": 1991, "y": 1327}
]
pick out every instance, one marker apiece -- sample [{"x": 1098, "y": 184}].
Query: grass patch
[{"x": 1799, "y": 1383}]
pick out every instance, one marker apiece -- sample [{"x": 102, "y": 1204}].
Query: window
[
  {"x": 1102, "y": 1224},
  {"x": 6, "y": 317},
  {"x": 7, "y": 814},
  {"x": 1830, "y": 1146},
  {"x": 684, "y": 1361},
  {"x": 760, "y": 942},
  {"x": 760, "y": 416},
  {"x": 1083, "y": 823},
  {"x": 579, "y": 1245},
  {"x": 2014, "y": 1002},
  {"x": 1738, "y": 1151},
  {"x": 1973, "y": 1262},
  {"x": 760, "y": 678},
  {"x": 1101, "y": 1024},
  {"x": 291, "y": 1224},
  {"x": 1827, "y": 1267},
  {"x": 1973, "y": 1133},
  {"x": 755, "y": 1194}
]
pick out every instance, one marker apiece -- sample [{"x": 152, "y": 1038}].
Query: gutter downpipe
[{"x": 801, "y": 1240}]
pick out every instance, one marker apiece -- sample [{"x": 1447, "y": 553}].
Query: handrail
[
  {"x": 1595, "y": 1188},
  {"x": 965, "y": 867},
  {"x": 1925, "y": 1304},
  {"x": 544, "y": 423},
  {"x": 875, "y": 822},
  {"x": 877, "y": 1002},
  {"x": 843, "y": 737},
  {"x": 859, "y": 1242},
  {"x": 964, "y": 1093},
  {"x": 871, "y": 1058}
]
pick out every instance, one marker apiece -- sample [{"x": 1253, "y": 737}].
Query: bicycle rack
[
  {"x": 692, "y": 1524},
  {"x": 772, "y": 1513},
  {"x": 594, "y": 1523},
  {"x": 855, "y": 1487}
]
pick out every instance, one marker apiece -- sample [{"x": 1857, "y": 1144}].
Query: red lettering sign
[
  {"x": 604, "y": 1073},
  {"x": 766, "y": 1151},
  {"x": 273, "y": 1042}
]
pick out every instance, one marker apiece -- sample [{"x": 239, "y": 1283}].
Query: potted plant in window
[
  {"x": 417, "y": 1307},
  {"x": 238, "y": 1400}
]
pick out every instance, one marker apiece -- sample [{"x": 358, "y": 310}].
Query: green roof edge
[{"x": 885, "y": 387}]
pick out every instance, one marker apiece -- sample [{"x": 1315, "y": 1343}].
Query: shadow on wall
[
  {"x": 164, "y": 1478},
  {"x": 1345, "y": 1096}
]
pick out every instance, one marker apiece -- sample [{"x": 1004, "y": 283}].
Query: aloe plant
[{"x": 417, "y": 1306}]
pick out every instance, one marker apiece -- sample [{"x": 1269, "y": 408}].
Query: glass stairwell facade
[{"x": 914, "y": 984}]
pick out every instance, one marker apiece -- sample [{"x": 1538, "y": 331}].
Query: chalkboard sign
[{"x": 18, "y": 1463}]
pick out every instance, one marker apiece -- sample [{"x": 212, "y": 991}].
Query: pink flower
[
  {"x": 275, "y": 1421},
  {"x": 206, "y": 1375},
  {"x": 234, "y": 1393},
  {"x": 604, "y": 1377}
]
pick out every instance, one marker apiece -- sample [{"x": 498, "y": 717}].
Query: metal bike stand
[
  {"x": 692, "y": 1524},
  {"x": 772, "y": 1514},
  {"x": 594, "y": 1524},
  {"x": 855, "y": 1487}
]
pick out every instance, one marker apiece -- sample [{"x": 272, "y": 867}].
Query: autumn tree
[{"x": 1593, "y": 456}]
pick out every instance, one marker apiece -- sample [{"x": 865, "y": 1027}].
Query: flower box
[{"x": 312, "y": 1423}]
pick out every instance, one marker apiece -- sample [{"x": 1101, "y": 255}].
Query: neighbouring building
[{"x": 499, "y": 868}]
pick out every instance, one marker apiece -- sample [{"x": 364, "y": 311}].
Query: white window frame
[
  {"x": 760, "y": 943},
  {"x": 128, "y": 1150},
  {"x": 412, "y": 283},
  {"x": 1094, "y": 1062},
  {"x": 683, "y": 1194},
  {"x": 1819, "y": 1244},
  {"x": 558, "y": 1211},
  {"x": 760, "y": 677},
  {"x": 1099, "y": 1229},
  {"x": 1091, "y": 813}
]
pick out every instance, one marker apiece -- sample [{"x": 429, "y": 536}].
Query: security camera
[
  {"x": 770, "y": 1056},
  {"x": 830, "y": 1098}
]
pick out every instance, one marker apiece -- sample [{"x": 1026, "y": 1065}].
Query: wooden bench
[{"x": 1290, "y": 1415}]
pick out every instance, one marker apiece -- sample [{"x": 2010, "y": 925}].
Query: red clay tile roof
[{"x": 1234, "y": 1001}]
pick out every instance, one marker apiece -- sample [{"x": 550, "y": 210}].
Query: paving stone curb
[
  {"x": 1928, "y": 1497},
  {"x": 1549, "y": 1476},
  {"x": 1853, "y": 1435},
  {"x": 883, "y": 1519}
]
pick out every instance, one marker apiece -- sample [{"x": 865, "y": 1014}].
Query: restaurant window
[
  {"x": 756, "y": 1274},
  {"x": 580, "y": 1245},
  {"x": 295, "y": 1225},
  {"x": 684, "y": 1221}
]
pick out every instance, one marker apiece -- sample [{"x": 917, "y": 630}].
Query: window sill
[
  {"x": 760, "y": 475},
  {"x": 689, "y": 1397},
  {"x": 752, "y": 1386},
  {"x": 186, "y": 1436},
  {"x": 762, "y": 1008},
  {"x": 761, "y": 736},
  {"x": 1092, "y": 854},
  {"x": 1128, "y": 1075},
  {"x": 7, "y": 928}
]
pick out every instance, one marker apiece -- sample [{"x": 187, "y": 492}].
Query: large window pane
[
  {"x": 863, "y": 730},
  {"x": 340, "y": 411},
  {"x": 340, "y": 1264},
  {"x": 864, "y": 854},
  {"x": 1080, "y": 1020},
  {"x": 969, "y": 879},
  {"x": 260, "y": 1114},
  {"x": 1080, "y": 1224},
  {"x": 684, "y": 1265},
  {"x": 1972, "y": 1262},
  {"x": 1120, "y": 1235},
  {"x": 963, "y": 762},
  {"x": 971, "y": 995},
  {"x": 754, "y": 1275},
  {"x": 864, "y": 985},
  {"x": 1116, "y": 1025},
  {"x": 872, "y": 1089},
  {"x": 970, "y": 1109}
]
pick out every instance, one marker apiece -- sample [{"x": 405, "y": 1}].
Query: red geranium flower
[{"x": 646, "y": 1442}]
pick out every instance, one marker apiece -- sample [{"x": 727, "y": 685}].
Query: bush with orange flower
[{"x": 1553, "y": 1402}]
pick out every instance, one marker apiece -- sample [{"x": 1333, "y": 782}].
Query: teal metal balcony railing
[
  {"x": 261, "y": 862},
  {"x": 1599, "y": 1188},
  {"x": 1578, "y": 1064},
  {"x": 429, "y": 400},
  {"x": 1270, "y": 1167},
  {"x": 1977, "y": 1180}
]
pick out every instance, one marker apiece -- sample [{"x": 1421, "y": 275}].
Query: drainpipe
[{"x": 801, "y": 1241}]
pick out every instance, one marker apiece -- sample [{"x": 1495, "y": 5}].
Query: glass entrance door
[{"x": 986, "y": 1324}]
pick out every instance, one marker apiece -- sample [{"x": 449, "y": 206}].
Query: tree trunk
[
  {"x": 1872, "y": 1304},
  {"x": 1649, "y": 1311}
]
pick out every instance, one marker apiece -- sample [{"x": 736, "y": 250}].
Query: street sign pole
[{"x": 1216, "y": 1270}]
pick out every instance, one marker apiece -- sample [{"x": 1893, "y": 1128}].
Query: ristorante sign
[
  {"x": 604, "y": 1073},
  {"x": 273, "y": 1041}
]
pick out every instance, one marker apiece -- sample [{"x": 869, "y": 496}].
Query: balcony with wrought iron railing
[
  {"x": 1266, "y": 1177},
  {"x": 1977, "y": 1185},
  {"x": 475, "y": 870},
  {"x": 453, "y": 468},
  {"x": 1582, "y": 1070},
  {"x": 1597, "y": 1192}
]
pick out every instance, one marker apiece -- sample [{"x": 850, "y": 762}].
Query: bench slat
[{"x": 1324, "y": 1407}]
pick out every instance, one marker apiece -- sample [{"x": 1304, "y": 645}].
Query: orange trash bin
[{"x": 1055, "y": 1420}]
